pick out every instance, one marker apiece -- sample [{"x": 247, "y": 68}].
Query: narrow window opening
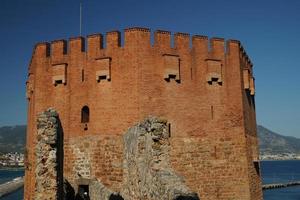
[
  {"x": 169, "y": 129},
  {"x": 102, "y": 77},
  {"x": 82, "y": 75},
  {"x": 85, "y": 114},
  {"x": 172, "y": 76},
  {"x": 215, "y": 152},
  {"x": 257, "y": 167},
  {"x": 85, "y": 127},
  {"x": 57, "y": 82},
  {"x": 212, "y": 112},
  {"x": 191, "y": 73},
  {"x": 213, "y": 79}
]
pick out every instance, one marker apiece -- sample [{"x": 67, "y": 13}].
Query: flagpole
[{"x": 80, "y": 18}]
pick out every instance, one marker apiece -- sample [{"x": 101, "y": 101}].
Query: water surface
[{"x": 272, "y": 172}]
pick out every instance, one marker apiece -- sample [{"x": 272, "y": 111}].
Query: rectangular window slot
[
  {"x": 171, "y": 74},
  {"x": 169, "y": 129},
  {"x": 103, "y": 69},
  {"x": 246, "y": 76},
  {"x": 102, "y": 75},
  {"x": 172, "y": 67},
  {"x": 82, "y": 75},
  {"x": 215, "y": 152},
  {"x": 58, "y": 82},
  {"x": 214, "y": 71},
  {"x": 59, "y": 74},
  {"x": 29, "y": 86}
]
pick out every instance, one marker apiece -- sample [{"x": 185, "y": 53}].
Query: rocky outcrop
[
  {"x": 48, "y": 164},
  {"x": 147, "y": 171}
]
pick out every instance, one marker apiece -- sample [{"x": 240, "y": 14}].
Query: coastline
[
  {"x": 11, "y": 186},
  {"x": 12, "y": 168},
  {"x": 279, "y": 159}
]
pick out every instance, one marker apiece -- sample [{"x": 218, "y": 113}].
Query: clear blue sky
[{"x": 268, "y": 29}]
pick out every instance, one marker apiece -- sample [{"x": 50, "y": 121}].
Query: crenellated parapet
[
  {"x": 247, "y": 66},
  {"x": 213, "y": 53},
  {"x": 215, "y": 47}
]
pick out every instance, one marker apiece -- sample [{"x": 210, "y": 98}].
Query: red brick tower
[{"x": 204, "y": 88}]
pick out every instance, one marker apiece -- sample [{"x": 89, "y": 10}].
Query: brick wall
[{"x": 94, "y": 157}]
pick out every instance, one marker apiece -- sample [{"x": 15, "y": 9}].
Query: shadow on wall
[
  {"x": 187, "y": 198},
  {"x": 60, "y": 158},
  {"x": 69, "y": 192},
  {"x": 115, "y": 197}
]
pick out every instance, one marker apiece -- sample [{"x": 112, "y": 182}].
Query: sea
[
  {"x": 7, "y": 175},
  {"x": 281, "y": 172},
  {"x": 272, "y": 172}
]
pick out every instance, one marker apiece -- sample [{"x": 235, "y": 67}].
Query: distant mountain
[
  {"x": 274, "y": 143},
  {"x": 12, "y": 139}
]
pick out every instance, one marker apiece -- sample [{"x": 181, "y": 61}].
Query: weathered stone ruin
[
  {"x": 99, "y": 191},
  {"x": 147, "y": 173},
  {"x": 48, "y": 170},
  {"x": 147, "y": 170}
]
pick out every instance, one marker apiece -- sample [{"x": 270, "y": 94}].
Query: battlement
[
  {"x": 214, "y": 52},
  {"x": 137, "y": 29},
  {"x": 215, "y": 48}
]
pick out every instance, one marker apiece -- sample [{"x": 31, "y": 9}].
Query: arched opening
[
  {"x": 85, "y": 114},
  {"x": 115, "y": 197},
  {"x": 188, "y": 197}
]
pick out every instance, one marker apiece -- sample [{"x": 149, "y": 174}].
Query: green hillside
[{"x": 12, "y": 139}]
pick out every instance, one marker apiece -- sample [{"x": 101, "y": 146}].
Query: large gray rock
[{"x": 147, "y": 171}]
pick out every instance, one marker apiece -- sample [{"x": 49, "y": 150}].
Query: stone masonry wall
[
  {"x": 147, "y": 171},
  {"x": 48, "y": 170},
  {"x": 99, "y": 192},
  {"x": 93, "y": 157}
]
